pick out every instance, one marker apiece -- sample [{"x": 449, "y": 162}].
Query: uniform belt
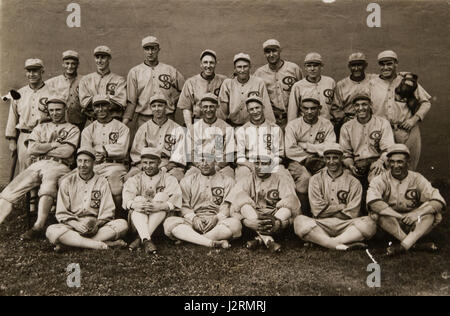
[
  {"x": 26, "y": 131},
  {"x": 52, "y": 158}
]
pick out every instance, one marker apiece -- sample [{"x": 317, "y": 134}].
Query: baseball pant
[
  {"x": 23, "y": 158},
  {"x": 300, "y": 175}
]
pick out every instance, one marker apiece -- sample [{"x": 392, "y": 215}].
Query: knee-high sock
[
  {"x": 73, "y": 239},
  {"x": 154, "y": 220},
  {"x": 33, "y": 198},
  {"x": 350, "y": 235},
  {"x": 140, "y": 222},
  {"x": 187, "y": 233},
  {"x": 220, "y": 232},
  {"x": 391, "y": 225},
  {"x": 45, "y": 205},
  {"x": 5, "y": 209},
  {"x": 105, "y": 234},
  {"x": 283, "y": 214},
  {"x": 318, "y": 236},
  {"x": 421, "y": 229}
]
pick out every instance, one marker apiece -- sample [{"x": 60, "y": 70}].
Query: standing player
[
  {"x": 406, "y": 204},
  {"x": 335, "y": 197},
  {"x": 279, "y": 76},
  {"x": 150, "y": 196},
  {"x": 314, "y": 81},
  {"x": 103, "y": 82},
  {"x": 388, "y": 104},
  {"x": 85, "y": 210},
  {"x": 195, "y": 87},
  {"x": 27, "y": 112},
  {"x": 66, "y": 85},
  {"x": 51, "y": 146},
  {"x": 206, "y": 217},
  {"x": 235, "y": 91},
  {"x": 150, "y": 78}
]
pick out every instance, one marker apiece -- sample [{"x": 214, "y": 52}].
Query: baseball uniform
[
  {"x": 279, "y": 84},
  {"x": 325, "y": 91},
  {"x": 24, "y": 115},
  {"x": 193, "y": 90},
  {"x": 232, "y": 96}
]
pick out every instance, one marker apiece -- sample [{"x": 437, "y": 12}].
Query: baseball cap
[
  {"x": 311, "y": 96},
  {"x": 361, "y": 95},
  {"x": 357, "y": 57},
  {"x": 210, "y": 97},
  {"x": 100, "y": 98},
  {"x": 271, "y": 42},
  {"x": 150, "y": 152},
  {"x": 149, "y": 41},
  {"x": 87, "y": 150},
  {"x": 158, "y": 97},
  {"x": 386, "y": 55},
  {"x": 33, "y": 63},
  {"x": 242, "y": 56},
  {"x": 313, "y": 58},
  {"x": 254, "y": 98},
  {"x": 55, "y": 99},
  {"x": 208, "y": 52},
  {"x": 398, "y": 149},
  {"x": 102, "y": 50},
  {"x": 70, "y": 54},
  {"x": 333, "y": 148}
]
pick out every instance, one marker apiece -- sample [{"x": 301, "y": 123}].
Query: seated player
[
  {"x": 335, "y": 197},
  {"x": 266, "y": 203},
  {"x": 405, "y": 203},
  {"x": 205, "y": 213},
  {"x": 150, "y": 196},
  {"x": 51, "y": 146},
  {"x": 85, "y": 209}
]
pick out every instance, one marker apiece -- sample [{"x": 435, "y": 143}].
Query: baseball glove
[
  {"x": 91, "y": 223},
  {"x": 405, "y": 92},
  {"x": 204, "y": 224},
  {"x": 268, "y": 224},
  {"x": 314, "y": 163}
]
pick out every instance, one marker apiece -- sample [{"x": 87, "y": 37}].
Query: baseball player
[
  {"x": 150, "y": 196},
  {"x": 365, "y": 140},
  {"x": 27, "y": 112},
  {"x": 66, "y": 85},
  {"x": 279, "y": 76},
  {"x": 314, "y": 81},
  {"x": 150, "y": 78},
  {"x": 51, "y": 146},
  {"x": 342, "y": 110},
  {"x": 195, "y": 87},
  {"x": 406, "y": 204},
  {"x": 110, "y": 140},
  {"x": 265, "y": 202},
  {"x": 335, "y": 198},
  {"x": 85, "y": 209},
  {"x": 103, "y": 82},
  {"x": 212, "y": 136},
  {"x": 388, "y": 104},
  {"x": 305, "y": 139},
  {"x": 205, "y": 212},
  {"x": 235, "y": 91},
  {"x": 164, "y": 134}
]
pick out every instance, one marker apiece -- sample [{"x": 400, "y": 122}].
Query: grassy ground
[{"x": 34, "y": 269}]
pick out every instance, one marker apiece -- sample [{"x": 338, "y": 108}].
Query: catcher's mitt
[
  {"x": 404, "y": 92},
  {"x": 314, "y": 163},
  {"x": 268, "y": 224}
]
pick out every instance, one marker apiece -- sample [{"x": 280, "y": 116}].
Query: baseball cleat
[
  {"x": 273, "y": 246},
  {"x": 119, "y": 244},
  {"x": 253, "y": 244},
  {"x": 31, "y": 234},
  {"x": 149, "y": 247},
  {"x": 425, "y": 246},
  {"x": 135, "y": 244},
  {"x": 394, "y": 250},
  {"x": 356, "y": 246},
  {"x": 224, "y": 244}
]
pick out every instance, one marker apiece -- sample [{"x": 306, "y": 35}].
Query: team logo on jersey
[
  {"x": 43, "y": 105},
  {"x": 329, "y": 94},
  {"x": 253, "y": 94},
  {"x": 289, "y": 81},
  {"x": 320, "y": 137},
  {"x": 169, "y": 142},
  {"x": 376, "y": 137},
  {"x": 165, "y": 80},
  {"x": 113, "y": 137},
  {"x": 272, "y": 197},
  {"x": 342, "y": 196},
  {"x": 217, "y": 193},
  {"x": 111, "y": 88},
  {"x": 413, "y": 197},
  {"x": 96, "y": 196},
  {"x": 62, "y": 135},
  {"x": 267, "y": 138},
  {"x": 216, "y": 91}
]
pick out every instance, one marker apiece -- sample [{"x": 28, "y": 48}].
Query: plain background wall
[{"x": 416, "y": 30}]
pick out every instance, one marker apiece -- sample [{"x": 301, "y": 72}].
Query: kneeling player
[{"x": 335, "y": 197}]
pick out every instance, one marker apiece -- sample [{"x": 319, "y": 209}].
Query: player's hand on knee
[
  {"x": 409, "y": 218},
  {"x": 210, "y": 223},
  {"x": 377, "y": 167}
]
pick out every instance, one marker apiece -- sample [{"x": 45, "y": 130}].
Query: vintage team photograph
[{"x": 224, "y": 148}]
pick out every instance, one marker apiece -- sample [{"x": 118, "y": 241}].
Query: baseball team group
[{"x": 282, "y": 146}]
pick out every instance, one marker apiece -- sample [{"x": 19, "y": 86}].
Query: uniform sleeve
[
  {"x": 35, "y": 145},
  {"x": 268, "y": 111},
  {"x": 229, "y": 144},
  {"x": 293, "y": 151},
  {"x": 173, "y": 189},
  {"x": 63, "y": 207},
  {"x": 13, "y": 120},
  {"x": 354, "y": 199},
  {"x": 178, "y": 85},
  {"x": 424, "y": 100},
  {"x": 132, "y": 95},
  {"x": 107, "y": 207},
  {"x": 279, "y": 134},
  {"x": 119, "y": 149},
  {"x": 428, "y": 192},
  {"x": 293, "y": 106},
  {"x": 130, "y": 191},
  {"x": 185, "y": 185},
  {"x": 224, "y": 100},
  {"x": 387, "y": 139},
  {"x": 85, "y": 94},
  {"x": 178, "y": 154},
  {"x": 377, "y": 188},
  {"x": 68, "y": 146},
  {"x": 120, "y": 96},
  {"x": 316, "y": 196},
  {"x": 229, "y": 184},
  {"x": 344, "y": 141},
  {"x": 186, "y": 100},
  {"x": 298, "y": 73},
  {"x": 86, "y": 137},
  {"x": 240, "y": 144}
]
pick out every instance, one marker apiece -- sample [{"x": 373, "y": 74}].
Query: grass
[{"x": 33, "y": 268}]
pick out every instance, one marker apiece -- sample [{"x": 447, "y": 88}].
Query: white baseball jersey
[
  {"x": 324, "y": 89},
  {"x": 78, "y": 198},
  {"x": 346, "y": 89},
  {"x": 143, "y": 185},
  {"x": 194, "y": 88},
  {"x": 204, "y": 195},
  {"x": 216, "y": 138},
  {"x": 112, "y": 137},
  {"x": 144, "y": 81},
  {"x": 396, "y": 112},
  {"x": 169, "y": 138},
  {"x": 370, "y": 140},
  {"x": 68, "y": 89},
  {"x": 326, "y": 192},
  {"x": 279, "y": 83},
  {"x": 232, "y": 98},
  {"x": 315, "y": 137},
  {"x": 405, "y": 195}
]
